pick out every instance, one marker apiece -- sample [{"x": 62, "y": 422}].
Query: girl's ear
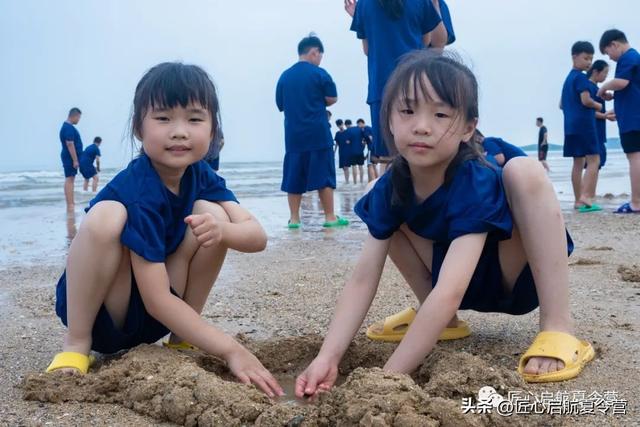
[{"x": 469, "y": 130}]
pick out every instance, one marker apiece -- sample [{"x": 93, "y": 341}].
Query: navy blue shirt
[
  {"x": 473, "y": 202},
  {"x": 388, "y": 39},
  {"x": 368, "y": 136},
  {"x": 341, "y": 141},
  {"x": 355, "y": 136},
  {"x": 68, "y": 132},
  {"x": 494, "y": 146},
  {"x": 89, "y": 155},
  {"x": 446, "y": 20},
  {"x": 155, "y": 223},
  {"x": 300, "y": 93},
  {"x": 601, "y": 124},
  {"x": 578, "y": 119},
  {"x": 626, "y": 102}
]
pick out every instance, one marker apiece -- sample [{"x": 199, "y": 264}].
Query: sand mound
[
  {"x": 195, "y": 389},
  {"x": 629, "y": 274}
]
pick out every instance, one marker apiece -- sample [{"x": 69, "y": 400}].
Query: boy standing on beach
[
  {"x": 580, "y": 136},
  {"x": 543, "y": 143},
  {"x": 70, "y": 154},
  {"x": 626, "y": 86},
  {"x": 303, "y": 92},
  {"x": 88, "y": 171}
]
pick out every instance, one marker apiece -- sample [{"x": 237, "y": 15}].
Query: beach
[{"x": 280, "y": 302}]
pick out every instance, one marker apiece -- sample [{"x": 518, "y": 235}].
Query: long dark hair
[
  {"x": 393, "y": 8},
  {"x": 170, "y": 84},
  {"x": 455, "y": 84}
]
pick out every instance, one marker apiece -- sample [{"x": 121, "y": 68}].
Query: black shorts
[
  {"x": 542, "y": 152},
  {"x": 630, "y": 141},
  {"x": 358, "y": 159}
]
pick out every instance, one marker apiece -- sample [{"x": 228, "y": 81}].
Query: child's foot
[{"x": 543, "y": 365}]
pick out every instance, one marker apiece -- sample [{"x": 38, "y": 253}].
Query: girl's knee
[
  {"x": 204, "y": 206},
  {"x": 104, "y": 222},
  {"x": 525, "y": 173}
]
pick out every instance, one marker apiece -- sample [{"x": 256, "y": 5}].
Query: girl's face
[
  {"x": 427, "y": 132},
  {"x": 177, "y": 137}
]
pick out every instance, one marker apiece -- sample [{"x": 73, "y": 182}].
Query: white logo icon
[{"x": 489, "y": 395}]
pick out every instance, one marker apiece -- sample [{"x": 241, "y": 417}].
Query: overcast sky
[{"x": 90, "y": 54}]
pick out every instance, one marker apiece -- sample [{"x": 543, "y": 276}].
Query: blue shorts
[
  {"x": 139, "y": 326},
  {"x": 67, "y": 165},
  {"x": 356, "y": 160},
  {"x": 486, "y": 292},
  {"x": 308, "y": 171},
  {"x": 581, "y": 145},
  {"x": 88, "y": 171},
  {"x": 630, "y": 141},
  {"x": 379, "y": 147},
  {"x": 343, "y": 160}
]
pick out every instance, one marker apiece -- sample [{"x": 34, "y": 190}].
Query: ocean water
[{"x": 35, "y": 228}]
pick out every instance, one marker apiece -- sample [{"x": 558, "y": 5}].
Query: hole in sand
[{"x": 191, "y": 388}]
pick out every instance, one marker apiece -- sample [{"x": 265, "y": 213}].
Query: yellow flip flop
[
  {"x": 71, "y": 360},
  {"x": 574, "y": 353},
  {"x": 393, "y": 328},
  {"x": 183, "y": 345}
]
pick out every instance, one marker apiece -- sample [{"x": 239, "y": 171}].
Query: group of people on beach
[
  {"x": 464, "y": 232},
  {"x": 585, "y": 116}
]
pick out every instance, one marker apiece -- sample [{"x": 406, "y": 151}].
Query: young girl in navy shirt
[
  {"x": 465, "y": 234},
  {"x": 154, "y": 239}
]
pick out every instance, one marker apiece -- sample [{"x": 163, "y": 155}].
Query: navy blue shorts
[
  {"x": 308, "y": 171},
  {"x": 343, "y": 160},
  {"x": 630, "y": 141},
  {"x": 379, "y": 147},
  {"x": 486, "y": 292},
  {"x": 357, "y": 160},
  {"x": 139, "y": 326},
  {"x": 67, "y": 165},
  {"x": 581, "y": 145},
  {"x": 88, "y": 171}
]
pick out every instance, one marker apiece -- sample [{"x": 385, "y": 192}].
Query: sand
[{"x": 280, "y": 301}]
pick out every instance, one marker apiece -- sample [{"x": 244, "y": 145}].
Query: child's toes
[{"x": 532, "y": 366}]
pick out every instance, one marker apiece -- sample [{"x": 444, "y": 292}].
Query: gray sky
[{"x": 90, "y": 54}]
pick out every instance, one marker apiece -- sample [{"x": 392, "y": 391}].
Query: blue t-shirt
[
  {"x": 446, "y": 20},
  {"x": 89, "y": 155},
  {"x": 68, "y": 132},
  {"x": 355, "y": 135},
  {"x": 155, "y": 223},
  {"x": 300, "y": 93},
  {"x": 494, "y": 146},
  {"x": 601, "y": 124},
  {"x": 626, "y": 102},
  {"x": 388, "y": 39},
  {"x": 473, "y": 202},
  {"x": 578, "y": 119},
  {"x": 341, "y": 140},
  {"x": 368, "y": 137}
]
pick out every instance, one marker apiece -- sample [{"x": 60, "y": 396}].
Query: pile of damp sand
[{"x": 195, "y": 389}]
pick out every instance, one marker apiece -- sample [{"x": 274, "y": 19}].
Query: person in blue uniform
[
  {"x": 597, "y": 74},
  {"x": 580, "y": 137},
  {"x": 155, "y": 237},
  {"x": 367, "y": 133},
  {"x": 389, "y": 29},
  {"x": 90, "y": 155},
  {"x": 447, "y": 219},
  {"x": 303, "y": 92},
  {"x": 498, "y": 150},
  {"x": 342, "y": 148},
  {"x": 626, "y": 104},
  {"x": 70, "y": 154},
  {"x": 355, "y": 141}
]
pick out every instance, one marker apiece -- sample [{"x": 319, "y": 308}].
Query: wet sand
[{"x": 280, "y": 302}]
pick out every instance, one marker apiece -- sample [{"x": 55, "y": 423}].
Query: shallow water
[{"x": 34, "y": 226}]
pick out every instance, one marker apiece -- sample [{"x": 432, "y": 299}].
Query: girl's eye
[
  {"x": 161, "y": 118},
  {"x": 406, "y": 111},
  {"x": 196, "y": 119},
  {"x": 442, "y": 115}
]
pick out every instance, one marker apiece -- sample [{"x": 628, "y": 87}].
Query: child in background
[
  {"x": 88, "y": 171},
  {"x": 447, "y": 219},
  {"x": 154, "y": 239},
  {"x": 342, "y": 148},
  {"x": 598, "y": 74},
  {"x": 355, "y": 143},
  {"x": 498, "y": 150},
  {"x": 543, "y": 143},
  {"x": 580, "y": 138},
  {"x": 367, "y": 133},
  {"x": 626, "y": 86}
]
